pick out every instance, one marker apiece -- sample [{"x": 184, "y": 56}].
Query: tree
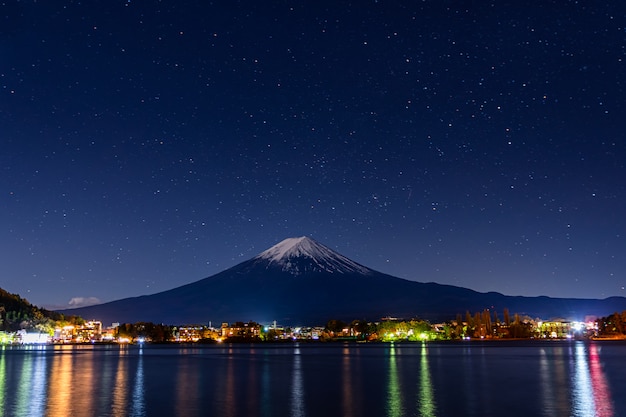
[
  {"x": 459, "y": 326},
  {"x": 362, "y": 328},
  {"x": 507, "y": 318},
  {"x": 335, "y": 326},
  {"x": 486, "y": 319},
  {"x": 478, "y": 326}
]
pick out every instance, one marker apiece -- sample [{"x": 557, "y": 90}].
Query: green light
[
  {"x": 426, "y": 402},
  {"x": 5, "y": 338},
  {"x": 24, "y": 387},
  {"x": 2, "y": 380},
  {"x": 394, "y": 393}
]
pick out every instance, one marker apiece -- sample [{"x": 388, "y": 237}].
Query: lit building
[
  {"x": 555, "y": 329},
  {"x": 241, "y": 330}
]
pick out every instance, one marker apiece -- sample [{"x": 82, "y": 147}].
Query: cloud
[{"x": 83, "y": 301}]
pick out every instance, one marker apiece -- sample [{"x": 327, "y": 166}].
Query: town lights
[{"x": 33, "y": 338}]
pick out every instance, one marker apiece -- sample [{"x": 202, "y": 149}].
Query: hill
[{"x": 17, "y": 313}]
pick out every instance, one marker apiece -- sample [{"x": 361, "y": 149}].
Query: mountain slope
[
  {"x": 16, "y": 312},
  {"x": 300, "y": 281}
]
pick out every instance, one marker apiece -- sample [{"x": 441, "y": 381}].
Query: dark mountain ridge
[{"x": 300, "y": 281}]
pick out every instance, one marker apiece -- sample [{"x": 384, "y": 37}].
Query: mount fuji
[{"x": 301, "y": 281}]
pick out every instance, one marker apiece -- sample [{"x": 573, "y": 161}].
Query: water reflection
[
  {"x": 601, "y": 394},
  {"x": 59, "y": 397},
  {"x": 591, "y": 395},
  {"x": 2, "y": 381},
  {"x": 568, "y": 379},
  {"x": 138, "y": 408},
  {"x": 426, "y": 403},
  {"x": 38, "y": 385},
  {"x": 553, "y": 382},
  {"x": 187, "y": 389},
  {"x": 120, "y": 391},
  {"x": 83, "y": 383},
  {"x": 545, "y": 375},
  {"x": 297, "y": 390},
  {"x": 265, "y": 386},
  {"x": 582, "y": 400},
  {"x": 30, "y": 398},
  {"x": 23, "y": 389},
  {"x": 470, "y": 380},
  {"x": 228, "y": 397},
  {"x": 394, "y": 393},
  {"x": 347, "y": 400}
]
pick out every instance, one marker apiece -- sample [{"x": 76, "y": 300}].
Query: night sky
[{"x": 149, "y": 144}]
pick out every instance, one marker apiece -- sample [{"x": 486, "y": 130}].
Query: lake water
[{"x": 535, "y": 378}]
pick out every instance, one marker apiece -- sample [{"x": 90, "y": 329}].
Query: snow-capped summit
[
  {"x": 300, "y": 281},
  {"x": 298, "y": 255}
]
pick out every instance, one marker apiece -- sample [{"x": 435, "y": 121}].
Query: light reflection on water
[
  {"x": 59, "y": 399},
  {"x": 601, "y": 393},
  {"x": 37, "y": 398},
  {"x": 120, "y": 390},
  {"x": 252, "y": 381},
  {"x": 138, "y": 408},
  {"x": 410, "y": 362},
  {"x": 347, "y": 402},
  {"x": 582, "y": 391},
  {"x": 229, "y": 395},
  {"x": 591, "y": 395},
  {"x": 426, "y": 404},
  {"x": 579, "y": 391},
  {"x": 394, "y": 394},
  {"x": 554, "y": 384},
  {"x": 2, "y": 382},
  {"x": 23, "y": 390},
  {"x": 266, "y": 396},
  {"x": 397, "y": 380},
  {"x": 188, "y": 385},
  {"x": 84, "y": 377},
  {"x": 31, "y": 390},
  {"x": 297, "y": 389}
]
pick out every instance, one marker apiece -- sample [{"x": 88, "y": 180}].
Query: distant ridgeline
[{"x": 17, "y": 313}]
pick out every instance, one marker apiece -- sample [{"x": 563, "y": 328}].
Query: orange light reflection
[
  {"x": 59, "y": 395},
  {"x": 347, "y": 400},
  {"x": 120, "y": 391}
]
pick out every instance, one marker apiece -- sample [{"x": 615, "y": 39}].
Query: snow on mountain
[{"x": 298, "y": 255}]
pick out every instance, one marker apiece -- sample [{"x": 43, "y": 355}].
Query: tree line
[
  {"x": 613, "y": 325},
  {"x": 17, "y": 313}
]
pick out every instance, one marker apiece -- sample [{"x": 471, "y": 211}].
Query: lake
[{"x": 504, "y": 378}]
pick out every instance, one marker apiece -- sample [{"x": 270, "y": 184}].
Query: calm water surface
[{"x": 448, "y": 379}]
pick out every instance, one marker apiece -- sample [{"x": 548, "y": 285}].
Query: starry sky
[{"x": 149, "y": 144}]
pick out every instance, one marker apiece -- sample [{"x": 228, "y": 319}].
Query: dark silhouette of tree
[
  {"x": 611, "y": 325},
  {"x": 459, "y": 326},
  {"x": 335, "y": 326},
  {"x": 469, "y": 322},
  {"x": 486, "y": 319},
  {"x": 507, "y": 318},
  {"x": 478, "y": 325},
  {"x": 362, "y": 328}
]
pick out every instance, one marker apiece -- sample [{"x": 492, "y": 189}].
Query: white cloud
[{"x": 83, "y": 301}]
